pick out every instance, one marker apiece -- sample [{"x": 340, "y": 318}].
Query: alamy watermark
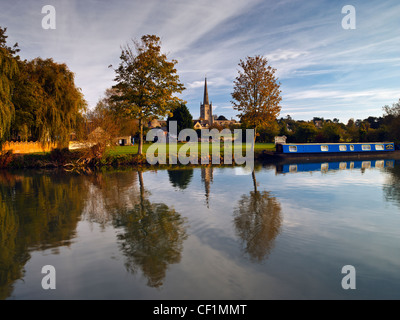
[
  {"x": 49, "y": 20},
  {"x": 349, "y": 20},
  {"x": 349, "y": 280},
  {"x": 49, "y": 280},
  {"x": 232, "y": 142}
]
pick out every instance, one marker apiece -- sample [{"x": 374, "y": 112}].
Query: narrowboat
[{"x": 334, "y": 148}]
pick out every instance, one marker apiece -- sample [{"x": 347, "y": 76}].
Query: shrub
[{"x": 6, "y": 158}]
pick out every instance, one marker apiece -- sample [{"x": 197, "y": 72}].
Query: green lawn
[{"x": 121, "y": 150}]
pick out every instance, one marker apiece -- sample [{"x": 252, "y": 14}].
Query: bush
[
  {"x": 6, "y": 158},
  {"x": 60, "y": 156}
]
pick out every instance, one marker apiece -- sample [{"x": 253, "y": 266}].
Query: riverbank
[{"x": 71, "y": 160}]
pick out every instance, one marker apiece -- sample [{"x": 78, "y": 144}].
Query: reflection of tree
[
  {"x": 180, "y": 178},
  {"x": 152, "y": 237},
  {"x": 207, "y": 178},
  {"x": 36, "y": 212},
  {"x": 258, "y": 221},
  {"x": 391, "y": 188},
  {"x": 110, "y": 192}
]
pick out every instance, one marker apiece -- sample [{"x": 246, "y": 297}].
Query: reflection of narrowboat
[
  {"x": 336, "y": 148},
  {"x": 328, "y": 166}
]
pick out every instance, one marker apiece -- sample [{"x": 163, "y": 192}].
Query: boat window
[
  {"x": 292, "y": 148},
  {"x": 366, "y": 147},
  {"x": 379, "y": 147},
  {"x": 343, "y": 147},
  {"x": 366, "y": 164},
  {"x": 293, "y": 168},
  {"x": 351, "y": 147},
  {"x": 379, "y": 164},
  {"x": 324, "y": 148}
]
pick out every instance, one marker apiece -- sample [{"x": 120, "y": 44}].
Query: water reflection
[
  {"x": 152, "y": 237},
  {"x": 110, "y": 193},
  {"x": 37, "y": 211},
  {"x": 143, "y": 229},
  {"x": 207, "y": 174},
  {"x": 258, "y": 221},
  {"x": 391, "y": 188},
  {"x": 180, "y": 178},
  {"x": 332, "y": 166}
]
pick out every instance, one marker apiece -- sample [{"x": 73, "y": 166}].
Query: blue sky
[{"x": 324, "y": 70}]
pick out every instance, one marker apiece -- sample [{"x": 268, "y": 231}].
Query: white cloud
[
  {"x": 318, "y": 63},
  {"x": 285, "y": 54}
]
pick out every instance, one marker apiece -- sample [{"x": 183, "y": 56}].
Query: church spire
[{"x": 205, "y": 100}]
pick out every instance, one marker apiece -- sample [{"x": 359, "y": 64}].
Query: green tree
[
  {"x": 8, "y": 70},
  {"x": 28, "y": 99},
  {"x": 182, "y": 116},
  {"x": 305, "y": 132},
  {"x": 256, "y": 93},
  {"x": 146, "y": 83},
  {"x": 352, "y": 132},
  {"x": 332, "y": 132},
  {"x": 392, "y": 120}
]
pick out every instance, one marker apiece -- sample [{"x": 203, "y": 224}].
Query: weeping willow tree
[
  {"x": 8, "y": 70},
  {"x": 38, "y": 99},
  {"x": 48, "y": 103}
]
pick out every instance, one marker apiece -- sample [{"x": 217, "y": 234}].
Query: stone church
[
  {"x": 206, "y": 116},
  {"x": 207, "y": 119}
]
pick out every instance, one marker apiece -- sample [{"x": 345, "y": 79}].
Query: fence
[{"x": 28, "y": 147}]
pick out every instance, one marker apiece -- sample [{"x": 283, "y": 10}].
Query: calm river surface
[{"x": 203, "y": 233}]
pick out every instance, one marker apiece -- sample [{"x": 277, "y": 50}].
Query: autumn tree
[
  {"x": 8, "y": 70},
  {"x": 104, "y": 117},
  {"x": 256, "y": 93},
  {"x": 146, "y": 82}
]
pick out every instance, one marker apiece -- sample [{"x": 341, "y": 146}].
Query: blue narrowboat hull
[{"x": 334, "y": 148}]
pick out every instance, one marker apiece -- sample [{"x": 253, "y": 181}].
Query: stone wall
[{"x": 28, "y": 147}]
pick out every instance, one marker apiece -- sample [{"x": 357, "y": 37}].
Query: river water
[{"x": 284, "y": 232}]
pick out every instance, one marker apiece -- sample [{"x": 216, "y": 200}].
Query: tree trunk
[
  {"x": 254, "y": 141},
  {"x": 140, "y": 147}
]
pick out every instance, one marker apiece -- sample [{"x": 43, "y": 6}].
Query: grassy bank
[{"x": 124, "y": 150}]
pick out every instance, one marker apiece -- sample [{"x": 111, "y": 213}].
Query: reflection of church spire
[{"x": 207, "y": 178}]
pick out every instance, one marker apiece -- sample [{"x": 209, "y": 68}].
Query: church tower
[{"x": 206, "y": 107}]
